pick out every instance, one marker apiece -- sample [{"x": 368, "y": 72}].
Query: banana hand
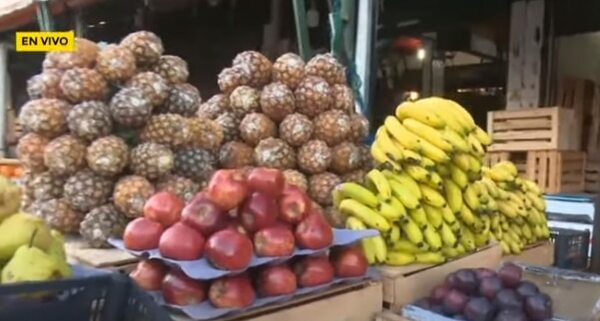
[
  {"x": 377, "y": 180},
  {"x": 354, "y": 191},
  {"x": 430, "y": 258},
  {"x": 399, "y": 258},
  {"x": 366, "y": 214},
  {"x": 431, "y": 196},
  {"x": 427, "y": 133}
]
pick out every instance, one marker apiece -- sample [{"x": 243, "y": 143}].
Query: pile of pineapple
[
  {"x": 295, "y": 116},
  {"x": 107, "y": 127}
]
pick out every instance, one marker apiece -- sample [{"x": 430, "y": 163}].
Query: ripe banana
[
  {"x": 368, "y": 247},
  {"x": 538, "y": 201},
  {"x": 354, "y": 191},
  {"x": 470, "y": 197},
  {"x": 448, "y": 215},
  {"x": 391, "y": 148},
  {"x": 412, "y": 231},
  {"x": 402, "y": 135},
  {"x": 451, "y": 252},
  {"x": 481, "y": 239},
  {"x": 455, "y": 139},
  {"x": 407, "y": 246},
  {"x": 490, "y": 186},
  {"x": 409, "y": 182},
  {"x": 448, "y": 237},
  {"x": 505, "y": 247},
  {"x": 364, "y": 213},
  {"x": 378, "y": 182},
  {"x": 432, "y": 238},
  {"x": 431, "y": 196},
  {"x": 412, "y": 110},
  {"x": 532, "y": 187},
  {"x": 482, "y": 136},
  {"x": 382, "y": 158},
  {"x": 427, "y": 133},
  {"x": 394, "y": 234},
  {"x": 500, "y": 174},
  {"x": 411, "y": 157},
  {"x": 430, "y": 258},
  {"x": 427, "y": 163},
  {"x": 462, "y": 115},
  {"x": 462, "y": 161},
  {"x": 399, "y": 258},
  {"x": 409, "y": 200},
  {"x": 459, "y": 177},
  {"x": 467, "y": 216},
  {"x": 476, "y": 146},
  {"x": 467, "y": 239},
  {"x": 509, "y": 167},
  {"x": 434, "y": 215},
  {"x": 443, "y": 170},
  {"x": 418, "y": 173},
  {"x": 419, "y": 216},
  {"x": 434, "y": 153},
  {"x": 380, "y": 248},
  {"x": 439, "y": 106},
  {"x": 453, "y": 195}
]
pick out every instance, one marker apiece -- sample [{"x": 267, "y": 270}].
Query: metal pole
[
  {"x": 366, "y": 33},
  {"x": 79, "y": 24},
  {"x": 44, "y": 16},
  {"x": 302, "y": 29},
  {"x": 4, "y": 96}
]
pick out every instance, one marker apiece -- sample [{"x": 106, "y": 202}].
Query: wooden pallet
[
  {"x": 534, "y": 129},
  {"x": 557, "y": 171},
  {"x": 517, "y": 158},
  {"x": 592, "y": 176}
]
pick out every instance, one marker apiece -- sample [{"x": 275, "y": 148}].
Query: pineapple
[
  {"x": 343, "y": 98},
  {"x": 46, "y": 186},
  {"x": 178, "y": 185},
  {"x": 296, "y": 130},
  {"x": 65, "y": 155},
  {"x": 259, "y": 65},
  {"x": 357, "y": 176},
  {"x": 145, "y": 46},
  {"x": 59, "y": 215},
  {"x": 172, "y": 68},
  {"x": 195, "y": 163},
  {"x": 45, "y": 85},
  {"x": 274, "y": 153},
  {"x": 359, "y": 128},
  {"x": 346, "y": 157},
  {"x": 294, "y": 177},
  {"x": 81, "y": 84},
  {"x": 46, "y": 117},
  {"x": 131, "y": 193},
  {"x": 213, "y": 107},
  {"x": 184, "y": 99},
  {"x": 326, "y": 67},
  {"x": 102, "y": 223},
  {"x": 367, "y": 160},
  {"x": 168, "y": 129},
  {"x": 108, "y": 156},
  {"x": 151, "y": 160},
  {"x": 205, "y": 133},
  {"x": 231, "y": 78},
  {"x": 335, "y": 218},
  {"x": 313, "y": 96},
  {"x": 84, "y": 56},
  {"x": 314, "y": 157},
  {"x": 230, "y": 124},
  {"x": 154, "y": 87},
  {"x": 277, "y": 101},
  {"x": 289, "y": 69},
  {"x": 129, "y": 107},
  {"x": 116, "y": 64},
  {"x": 244, "y": 100},
  {"x": 256, "y": 127},
  {"x": 236, "y": 154},
  {"x": 85, "y": 190},
  {"x": 89, "y": 120},
  {"x": 332, "y": 127},
  {"x": 30, "y": 151},
  {"x": 320, "y": 187}
]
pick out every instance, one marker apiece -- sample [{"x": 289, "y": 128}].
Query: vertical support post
[
  {"x": 44, "y": 15},
  {"x": 302, "y": 29},
  {"x": 366, "y": 34},
  {"x": 80, "y": 27},
  {"x": 4, "y": 96},
  {"x": 349, "y": 15},
  {"x": 437, "y": 77},
  {"x": 426, "y": 69}
]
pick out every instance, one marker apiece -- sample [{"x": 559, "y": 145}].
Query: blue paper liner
[
  {"x": 206, "y": 311},
  {"x": 201, "y": 269}
]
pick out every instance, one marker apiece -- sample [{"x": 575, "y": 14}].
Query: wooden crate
[
  {"x": 534, "y": 129},
  {"x": 557, "y": 171},
  {"x": 592, "y": 176},
  {"x": 517, "y": 158}
]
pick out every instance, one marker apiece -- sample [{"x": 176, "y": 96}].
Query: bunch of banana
[{"x": 520, "y": 217}]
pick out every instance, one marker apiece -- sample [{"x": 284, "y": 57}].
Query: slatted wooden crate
[
  {"x": 592, "y": 176},
  {"x": 517, "y": 158},
  {"x": 550, "y": 128},
  {"x": 557, "y": 171}
]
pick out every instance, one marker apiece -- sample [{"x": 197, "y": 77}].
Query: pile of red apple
[
  {"x": 239, "y": 291},
  {"x": 238, "y": 215}
]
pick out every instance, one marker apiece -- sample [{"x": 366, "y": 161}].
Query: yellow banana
[
  {"x": 434, "y": 153},
  {"x": 354, "y": 191},
  {"x": 470, "y": 198},
  {"x": 432, "y": 238},
  {"x": 409, "y": 182},
  {"x": 448, "y": 215},
  {"x": 451, "y": 252},
  {"x": 380, "y": 248},
  {"x": 418, "y": 173},
  {"x": 456, "y": 227},
  {"x": 502, "y": 194},
  {"x": 467, "y": 216},
  {"x": 387, "y": 210},
  {"x": 427, "y": 133},
  {"x": 431, "y": 196},
  {"x": 443, "y": 170},
  {"x": 411, "y": 157},
  {"x": 538, "y": 201},
  {"x": 459, "y": 177},
  {"x": 455, "y": 139},
  {"x": 402, "y": 135},
  {"x": 434, "y": 215},
  {"x": 448, "y": 237},
  {"x": 462, "y": 161},
  {"x": 391, "y": 148},
  {"x": 382, "y": 158},
  {"x": 412, "y": 110},
  {"x": 532, "y": 187},
  {"x": 399, "y": 258},
  {"x": 476, "y": 146},
  {"x": 446, "y": 114},
  {"x": 481, "y": 239},
  {"x": 490, "y": 186},
  {"x": 419, "y": 216},
  {"x": 379, "y": 182},
  {"x": 430, "y": 258},
  {"x": 435, "y": 181},
  {"x": 395, "y": 234},
  {"x": 500, "y": 174},
  {"x": 508, "y": 166},
  {"x": 475, "y": 164},
  {"x": 364, "y": 213},
  {"x": 546, "y": 231},
  {"x": 538, "y": 231},
  {"x": 467, "y": 240},
  {"x": 514, "y": 197},
  {"x": 453, "y": 195},
  {"x": 505, "y": 247},
  {"x": 407, "y": 246},
  {"x": 355, "y": 224},
  {"x": 427, "y": 163},
  {"x": 409, "y": 200},
  {"x": 462, "y": 115},
  {"x": 482, "y": 136},
  {"x": 412, "y": 231}
]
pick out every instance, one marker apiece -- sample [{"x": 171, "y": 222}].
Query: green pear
[
  {"x": 57, "y": 252},
  {"x": 18, "y": 230},
  {"x": 30, "y": 264},
  {"x": 10, "y": 197}
]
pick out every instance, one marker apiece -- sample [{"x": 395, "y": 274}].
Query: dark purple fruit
[
  {"x": 466, "y": 281},
  {"x": 479, "y": 309},
  {"x": 526, "y": 289},
  {"x": 483, "y": 273},
  {"x": 424, "y": 303},
  {"x": 510, "y": 275},
  {"x": 511, "y": 315},
  {"x": 439, "y": 293},
  {"x": 538, "y": 307},
  {"x": 455, "y": 302},
  {"x": 508, "y": 299},
  {"x": 451, "y": 280},
  {"x": 490, "y": 286}
]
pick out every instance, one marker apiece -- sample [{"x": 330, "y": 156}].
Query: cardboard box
[
  {"x": 350, "y": 302},
  {"x": 538, "y": 254},
  {"x": 404, "y": 285}
]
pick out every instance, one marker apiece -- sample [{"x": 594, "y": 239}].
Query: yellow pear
[
  {"x": 30, "y": 264},
  {"x": 57, "y": 252},
  {"x": 10, "y": 198},
  {"x": 19, "y": 230}
]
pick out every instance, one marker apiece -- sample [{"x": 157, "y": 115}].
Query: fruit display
[
  {"x": 430, "y": 196},
  {"x": 106, "y": 128},
  {"x": 487, "y": 295}
]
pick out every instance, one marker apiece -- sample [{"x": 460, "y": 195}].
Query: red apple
[
  {"x": 179, "y": 289},
  {"x": 276, "y": 280},
  {"x": 314, "y": 232},
  {"x": 277, "y": 240},
  {"x": 181, "y": 242},
  {"x": 293, "y": 205},
  {"x": 313, "y": 271},
  {"x": 350, "y": 262},
  {"x": 164, "y": 207},
  {"x": 258, "y": 211},
  {"x": 236, "y": 226},
  {"x": 227, "y": 188},
  {"x": 229, "y": 250},
  {"x": 142, "y": 234},
  {"x": 232, "y": 292},
  {"x": 267, "y": 181},
  {"x": 149, "y": 274},
  {"x": 204, "y": 215}
]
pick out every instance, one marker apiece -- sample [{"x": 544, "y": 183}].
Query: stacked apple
[
  {"x": 237, "y": 215},
  {"x": 240, "y": 290}
]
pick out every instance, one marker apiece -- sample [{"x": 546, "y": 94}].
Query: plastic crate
[
  {"x": 108, "y": 297},
  {"x": 571, "y": 248}
]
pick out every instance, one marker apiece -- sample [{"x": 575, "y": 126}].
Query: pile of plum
[{"x": 485, "y": 295}]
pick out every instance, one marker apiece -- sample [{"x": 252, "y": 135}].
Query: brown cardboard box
[
  {"x": 538, "y": 254},
  {"x": 404, "y": 285}
]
